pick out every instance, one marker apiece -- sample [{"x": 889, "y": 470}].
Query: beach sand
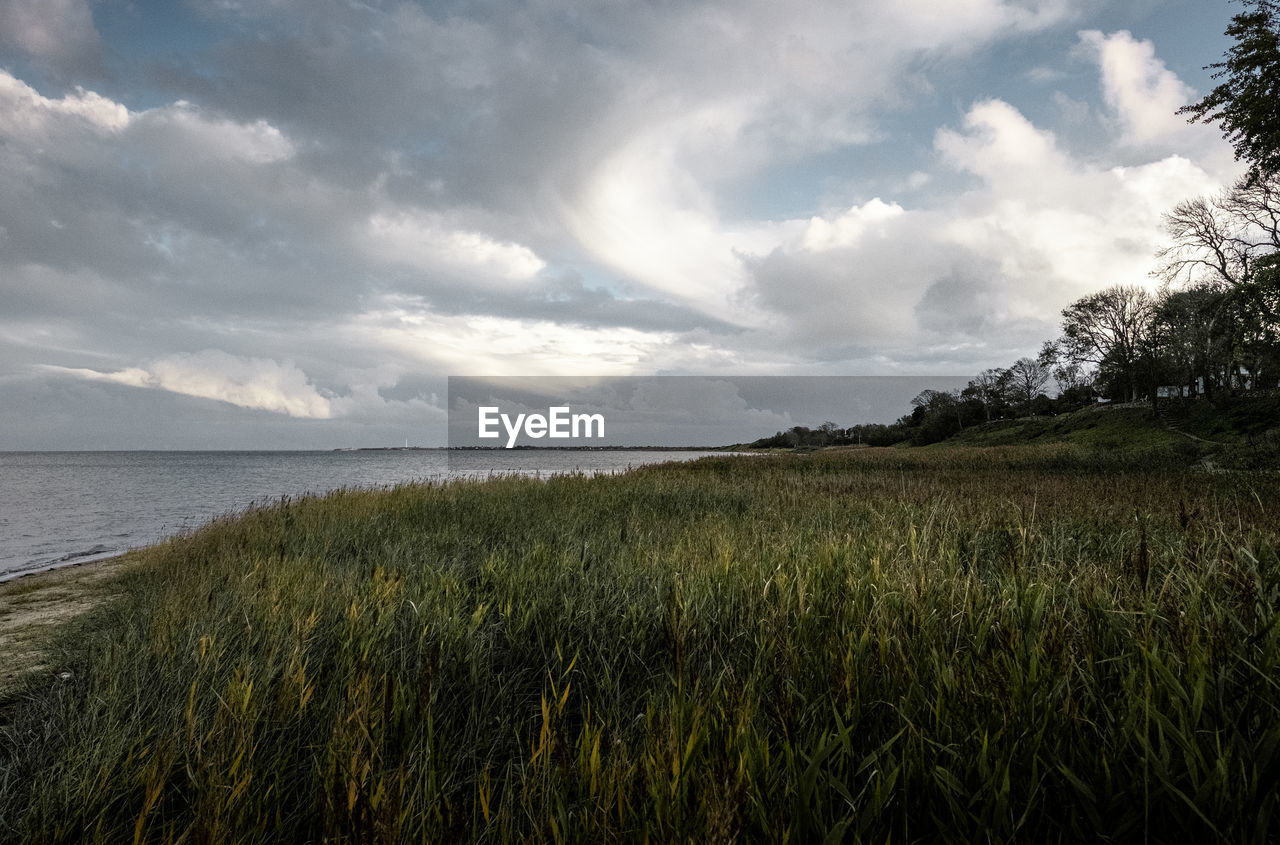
[{"x": 32, "y": 606}]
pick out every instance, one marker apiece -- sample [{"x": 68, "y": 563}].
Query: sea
[{"x": 63, "y": 508}]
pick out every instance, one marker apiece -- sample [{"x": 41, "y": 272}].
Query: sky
[{"x": 284, "y": 224}]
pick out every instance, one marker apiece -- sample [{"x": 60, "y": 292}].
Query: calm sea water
[{"x": 58, "y": 508}]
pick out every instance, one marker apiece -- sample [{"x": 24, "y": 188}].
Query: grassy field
[{"x": 1032, "y": 644}]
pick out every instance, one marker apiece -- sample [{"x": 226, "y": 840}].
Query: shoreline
[
  {"x": 34, "y": 604},
  {"x": 79, "y": 560},
  {"x": 42, "y": 540}
]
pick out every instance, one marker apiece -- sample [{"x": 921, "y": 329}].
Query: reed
[{"x": 1002, "y": 644}]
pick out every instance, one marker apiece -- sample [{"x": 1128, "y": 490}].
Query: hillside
[{"x": 1241, "y": 430}]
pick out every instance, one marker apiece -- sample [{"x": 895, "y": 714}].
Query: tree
[
  {"x": 1187, "y": 336},
  {"x": 991, "y": 388},
  {"x": 1253, "y": 309},
  {"x": 1255, "y": 206},
  {"x": 938, "y": 414},
  {"x": 1068, "y": 373},
  {"x": 1244, "y": 104},
  {"x": 1203, "y": 248},
  {"x": 1222, "y": 256},
  {"x": 1075, "y": 381},
  {"x": 1217, "y": 240},
  {"x": 1027, "y": 377},
  {"x": 1110, "y": 329}
]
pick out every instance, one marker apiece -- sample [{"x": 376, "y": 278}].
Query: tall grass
[{"x": 997, "y": 644}]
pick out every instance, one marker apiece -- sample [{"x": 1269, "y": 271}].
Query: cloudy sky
[{"x": 282, "y": 224}]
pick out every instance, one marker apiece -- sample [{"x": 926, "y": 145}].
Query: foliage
[
  {"x": 1221, "y": 313},
  {"x": 1217, "y": 240},
  {"x": 1244, "y": 105},
  {"x": 1027, "y": 379},
  {"x": 1109, "y": 329}
]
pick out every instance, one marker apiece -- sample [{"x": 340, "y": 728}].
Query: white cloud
[
  {"x": 648, "y": 219},
  {"x": 1143, "y": 95},
  {"x": 721, "y": 93},
  {"x": 1057, "y": 225},
  {"x": 89, "y": 130},
  {"x": 969, "y": 20},
  {"x": 479, "y": 344},
  {"x": 424, "y": 241},
  {"x": 848, "y": 228},
  {"x": 364, "y": 401},
  {"x": 917, "y": 179},
  {"x": 1002, "y": 147},
  {"x": 255, "y": 383},
  {"x": 27, "y": 114},
  {"x": 986, "y": 269},
  {"x": 185, "y": 130}
]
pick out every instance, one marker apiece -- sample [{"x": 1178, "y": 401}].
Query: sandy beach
[{"x": 32, "y": 606}]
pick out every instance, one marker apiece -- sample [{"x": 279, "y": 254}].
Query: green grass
[
  {"x": 1019, "y": 644},
  {"x": 1132, "y": 429},
  {"x": 1240, "y": 432},
  {"x": 1230, "y": 420}
]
